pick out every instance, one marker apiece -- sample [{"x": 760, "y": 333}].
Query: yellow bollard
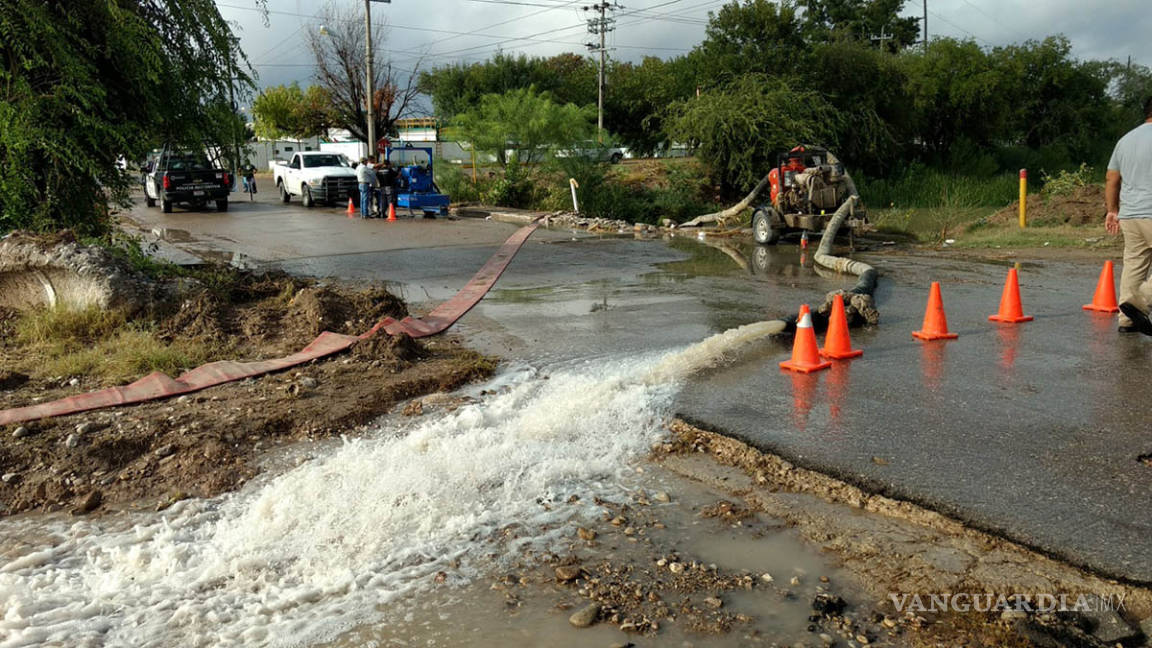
[{"x": 1023, "y": 198}]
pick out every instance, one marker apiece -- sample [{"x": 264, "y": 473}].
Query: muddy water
[{"x": 327, "y": 545}]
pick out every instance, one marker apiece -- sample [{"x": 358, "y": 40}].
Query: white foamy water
[{"x": 317, "y": 549}]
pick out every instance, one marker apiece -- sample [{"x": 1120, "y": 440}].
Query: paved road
[{"x": 1032, "y": 431}]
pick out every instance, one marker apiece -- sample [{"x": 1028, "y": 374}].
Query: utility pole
[
  {"x": 368, "y": 74},
  {"x": 600, "y": 26},
  {"x": 884, "y": 37},
  {"x": 925, "y": 26},
  {"x": 235, "y": 111}
]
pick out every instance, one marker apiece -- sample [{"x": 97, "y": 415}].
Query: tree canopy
[
  {"x": 523, "y": 125},
  {"x": 89, "y": 82}
]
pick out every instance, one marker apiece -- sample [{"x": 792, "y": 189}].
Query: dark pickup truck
[{"x": 173, "y": 176}]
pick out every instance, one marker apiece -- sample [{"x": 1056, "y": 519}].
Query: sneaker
[{"x": 1140, "y": 321}]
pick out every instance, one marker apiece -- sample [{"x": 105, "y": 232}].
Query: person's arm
[{"x": 1112, "y": 201}]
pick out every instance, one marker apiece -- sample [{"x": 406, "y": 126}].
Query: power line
[{"x": 600, "y": 26}]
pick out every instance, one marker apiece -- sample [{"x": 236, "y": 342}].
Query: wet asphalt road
[{"x": 1032, "y": 431}]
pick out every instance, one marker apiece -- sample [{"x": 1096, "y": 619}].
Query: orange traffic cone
[
  {"x": 805, "y": 352},
  {"x": 935, "y": 325},
  {"x": 837, "y": 343},
  {"x": 1104, "y": 301},
  {"x": 1011, "y": 311},
  {"x": 351, "y": 211},
  {"x": 391, "y": 212}
]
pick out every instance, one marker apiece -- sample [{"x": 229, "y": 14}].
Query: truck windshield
[
  {"x": 312, "y": 161},
  {"x": 188, "y": 162}
]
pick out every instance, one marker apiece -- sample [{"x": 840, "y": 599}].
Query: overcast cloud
[{"x": 442, "y": 31}]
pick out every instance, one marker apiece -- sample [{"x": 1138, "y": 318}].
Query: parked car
[
  {"x": 316, "y": 176},
  {"x": 175, "y": 176}
]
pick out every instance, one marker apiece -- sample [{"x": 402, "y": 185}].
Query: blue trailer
[{"x": 416, "y": 182}]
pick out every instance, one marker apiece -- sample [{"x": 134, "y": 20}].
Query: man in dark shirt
[{"x": 387, "y": 176}]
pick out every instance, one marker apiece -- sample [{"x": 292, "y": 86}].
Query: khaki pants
[{"x": 1135, "y": 286}]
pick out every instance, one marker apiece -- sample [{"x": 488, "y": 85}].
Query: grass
[{"x": 96, "y": 343}]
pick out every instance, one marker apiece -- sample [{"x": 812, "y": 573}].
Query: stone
[
  {"x": 90, "y": 503},
  {"x": 10, "y": 478},
  {"x": 308, "y": 382},
  {"x": 828, "y": 605},
  {"x": 567, "y": 573},
  {"x": 72, "y": 441},
  {"x": 585, "y": 616},
  {"x": 1109, "y": 627},
  {"x": 675, "y": 567},
  {"x": 21, "y": 432},
  {"x": 74, "y": 382},
  {"x": 84, "y": 428},
  {"x": 766, "y": 577},
  {"x": 1011, "y": 615},
  {"x": 586, "y": 534},
  {"x": 862, "y": 640},
  {"x": 662, "y": 497},
  {"x": 795, "y": 580},
  {"x": 827, "y": 639},
  {"x": 165, "y": 450},
  {"x": 714, "y": 602}
]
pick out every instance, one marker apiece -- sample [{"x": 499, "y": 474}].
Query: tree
[
  {"x": 639, "y": 95},
  {"x": 287, "y": 112},
  {"x": 85, "y": 83},
  {"x": 341, "y": 65},
  {"x": 755, "y": 36},
  {"x": 860, "y": 20},
  {"x": 738, "y": 127},
  {"x": 457, "y": 88},
  {"x": 525, "y": 122}
]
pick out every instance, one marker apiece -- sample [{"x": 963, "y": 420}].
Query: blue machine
[{"x": 417, "y": 188}]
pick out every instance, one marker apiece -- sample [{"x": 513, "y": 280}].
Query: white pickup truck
[{"x": 316, "y": 176}]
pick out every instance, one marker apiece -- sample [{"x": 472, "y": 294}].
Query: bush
[
  {"x": 1065, "y": 183},
  {"x": 922, "y": 186}
]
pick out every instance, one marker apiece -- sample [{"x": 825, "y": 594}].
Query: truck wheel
[
  {"x": 306, "y": 197},
  {"x": 166, "y": 205},
  {"x": 151, "y": 202},
  {"x": 284, "y": 195},
  {"x": 762, "y": 229},
  {"x": 222, "y": 205},
  {"x": 616, "y": 157}
]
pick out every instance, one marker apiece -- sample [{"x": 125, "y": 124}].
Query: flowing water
[{"x": 299, "y": 557}]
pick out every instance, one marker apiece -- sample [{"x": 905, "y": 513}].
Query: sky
[{"x": 427, "y": 33}]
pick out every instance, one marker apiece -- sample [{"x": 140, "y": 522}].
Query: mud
[
  {"x": 895, "y": 548},
  {"x": 203, "y": 444}
]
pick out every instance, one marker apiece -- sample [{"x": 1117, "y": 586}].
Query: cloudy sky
[{"x": 440, "y": 31}]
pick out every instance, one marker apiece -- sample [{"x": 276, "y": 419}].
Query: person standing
[
  {"x": 1128, "y": 199},
  {"x": 387, "y": 176},
  {"x": 366, "y": 177}
]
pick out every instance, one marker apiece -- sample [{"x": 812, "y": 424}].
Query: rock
[
  {"x": 1010, "y": 615},
  {"x": 586, "y": 534},
  {"x": 827, "y": 639},
  {"x": 165, "y": 450},
  {"x": 862, "y": 640},
  {"x": 828, "y": 605},
  {"x": 766, "y": 577},
  {"x": 888, "y": 622},
  {"x": 567, "y": 573},
  {"x": 10, "y": 478},
  {"x": 171, "y": 498},
  {"x": 1109, "y": 627},
  {"x": 90, "y": 503},
  {"x": 675, "y": 567},
  {"x": 586, "y": 616},
  {"x": 795, "y": 580},
  {"x": 84, "y": 428},
  {"x": 74, "y": 382},
  {"x": 415, "y": 408},
  {"x": 72, "y": 441},
  {"x": 714, "y": 602},
  {"x": 618, "y": 521},
  {"x": 629, "y": 531},
  {"x": 628, "y": 626},
  {"x": 21, "y": 432},
  {"x": 308, "y": 382},
  {"x": 661, "y": 496}
]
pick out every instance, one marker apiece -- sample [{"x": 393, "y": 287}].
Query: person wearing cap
[
  {"x": 386, "y": 174},
  {"x": 1128, "y": 200},
  {"x": 366, "y": 177}
]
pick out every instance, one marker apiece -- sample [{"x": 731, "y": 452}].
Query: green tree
[
  {"x": 287, "y": 112},
  {"x": 638, "y": 97},
  {"x": 860, "y": 20},
  {"x": 455, "y": 89},
  {"x": 753, "y": 36},
  {"x": 86, "y": 83},
  {"x": 738, "y": 127},
  {"x": 524, "y": 122}
]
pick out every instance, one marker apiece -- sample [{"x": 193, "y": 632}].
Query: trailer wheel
[{"x": 762, "y": 227}]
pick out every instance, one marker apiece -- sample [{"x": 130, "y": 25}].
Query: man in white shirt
[
  {"x": 366, "y": 176},
  {"x": 1128, "y": 199}
]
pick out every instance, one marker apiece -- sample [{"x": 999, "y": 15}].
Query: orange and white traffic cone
[
  {"x": 837, "y": 342},
  {"x": 1104, "y": 301},
  {"x": 391, "y": 213},
  {"x": 1011, "y": 311},
  {"x": 805, "y": 352},
  {"x": 935, "y": 325},
  {"x": 351, "y": 211}
]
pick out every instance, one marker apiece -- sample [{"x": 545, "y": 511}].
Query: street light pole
[{"x": 369, "y": 76}]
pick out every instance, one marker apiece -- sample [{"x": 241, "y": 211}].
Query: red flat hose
[{"x": 158, "y": 385}]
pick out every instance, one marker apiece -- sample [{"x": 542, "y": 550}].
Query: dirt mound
[
  {"x": 322, "y": 308},
  {"x": 385, "y": 347},
  {"x": 1084, "y": 206}
]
